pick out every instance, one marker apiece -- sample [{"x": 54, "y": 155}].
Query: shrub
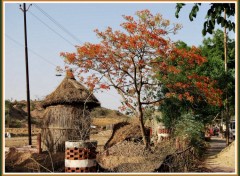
[
  {"x": 191, "y": 130},
  {"x": 99, "y": 112}
]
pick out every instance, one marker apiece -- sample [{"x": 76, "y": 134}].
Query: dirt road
[{"x": 218, "y": 157}]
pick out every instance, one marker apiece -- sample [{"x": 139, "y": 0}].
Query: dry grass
[
  {"x": 70, "y": 91},
  {"x": 102, "y": 138},
  {"x": 19, "y": 141},
  {"x": 129, "y": 156},
  {"x": 22, "y": 131},
  {"x": 106, "y": 121},
  {"x": 33, "y": 162},
  {"x": 125, "y": 131},
  {"x": 62, "y": 123}
]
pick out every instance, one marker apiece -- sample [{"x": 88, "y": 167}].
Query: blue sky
[{"x": 80, "y": 19}]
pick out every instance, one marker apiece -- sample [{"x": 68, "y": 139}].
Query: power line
[
  {"x": 56, "y": 23},
  {"x": 34, "y": 52},
  {"x": 41, "y": 57},
  {"x": 52, "y": 29}
]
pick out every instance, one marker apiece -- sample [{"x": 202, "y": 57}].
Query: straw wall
[{"x": 62, "y": 123}]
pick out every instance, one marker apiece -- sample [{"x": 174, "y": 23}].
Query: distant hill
[
  {"x": 103, "y": 116},
  {"x": 16, "y": 115}
]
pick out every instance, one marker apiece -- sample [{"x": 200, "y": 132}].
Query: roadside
[{"x": 218, "y": 157}]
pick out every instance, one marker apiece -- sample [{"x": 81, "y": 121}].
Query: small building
[
  {"x": 158, "y": 130},
  {"x": 67, "y": 114}
]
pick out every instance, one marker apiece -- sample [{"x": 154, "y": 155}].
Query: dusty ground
[
  {"x": 33, "y": 162},
  {"x": 102, "y": 138},
  {"x": 218, "y": 157},
  {"x": 19, "y": 141},
  {"x": 22, "y": 131},
  {"x": 123, "y": 156},
  {"x": 20, "y": 137}
]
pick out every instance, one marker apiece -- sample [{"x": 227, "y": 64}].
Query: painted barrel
[
  {"x": 163, "y": 134},
  {"x": 80, "y": 156}
]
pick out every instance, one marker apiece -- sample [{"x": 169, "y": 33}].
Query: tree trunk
[
  {"x": 140, "y": 117},
  {"x": 226, "y": 70}
]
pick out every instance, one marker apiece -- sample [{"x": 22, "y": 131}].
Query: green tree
[
  {"x": 213, "y": 16},
  {"x": 173, "y": 107},
  {"x": 213, "y": 49}
]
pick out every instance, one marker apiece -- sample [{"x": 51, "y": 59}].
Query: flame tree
[{"x": 131, "y": 61}]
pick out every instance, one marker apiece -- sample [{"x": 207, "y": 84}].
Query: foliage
[
  {"x": 8, "y": 107},
  {"x": 32, "y": 106},
  {"x": 214, "y": 15},
  {"x": 207, "y": 72},
  {"x": 104, "y": 112},
  {"x": 148, "y": 113},
  {"x": 180, "y": 79},
  {"x": 8, "y": 104},
  {"x": 16, "y": 124},
  {"x": 212, "y": 48},
  {"x": 190, "y": 129},
  {"x": 140, "y": 62},
  {"x": 171, "y": 110}
]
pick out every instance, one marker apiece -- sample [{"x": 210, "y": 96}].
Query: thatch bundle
[
  {"x": 67, "y": 115},
  {"x": 125, "y": 131}
]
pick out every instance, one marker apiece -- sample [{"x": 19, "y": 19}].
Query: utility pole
[
  {"x": 226, "y": 70},
  {"x": 27, "y": 73}
]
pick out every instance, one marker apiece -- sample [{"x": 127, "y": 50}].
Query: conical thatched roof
[{"x": 70, "y": 91}]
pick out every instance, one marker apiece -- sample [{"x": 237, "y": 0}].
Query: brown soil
[{"x": 218, "y": 157}]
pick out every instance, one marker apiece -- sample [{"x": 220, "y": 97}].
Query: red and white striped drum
[{"x": 80, "y": 156}]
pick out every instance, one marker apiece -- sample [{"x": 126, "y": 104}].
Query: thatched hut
[{"x": 67, "y": 114}]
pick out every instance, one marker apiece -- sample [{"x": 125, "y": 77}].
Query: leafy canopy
[{"x": 213, "y": 16}]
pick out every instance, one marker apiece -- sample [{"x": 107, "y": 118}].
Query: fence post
[
  {"x": 177, "y": 143},
  {"x": 39, "y": 143}
]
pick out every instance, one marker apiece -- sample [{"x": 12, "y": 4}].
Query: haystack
[
  {"x": 125, "y": 131},
  {"x": 67, "y": 114}
]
